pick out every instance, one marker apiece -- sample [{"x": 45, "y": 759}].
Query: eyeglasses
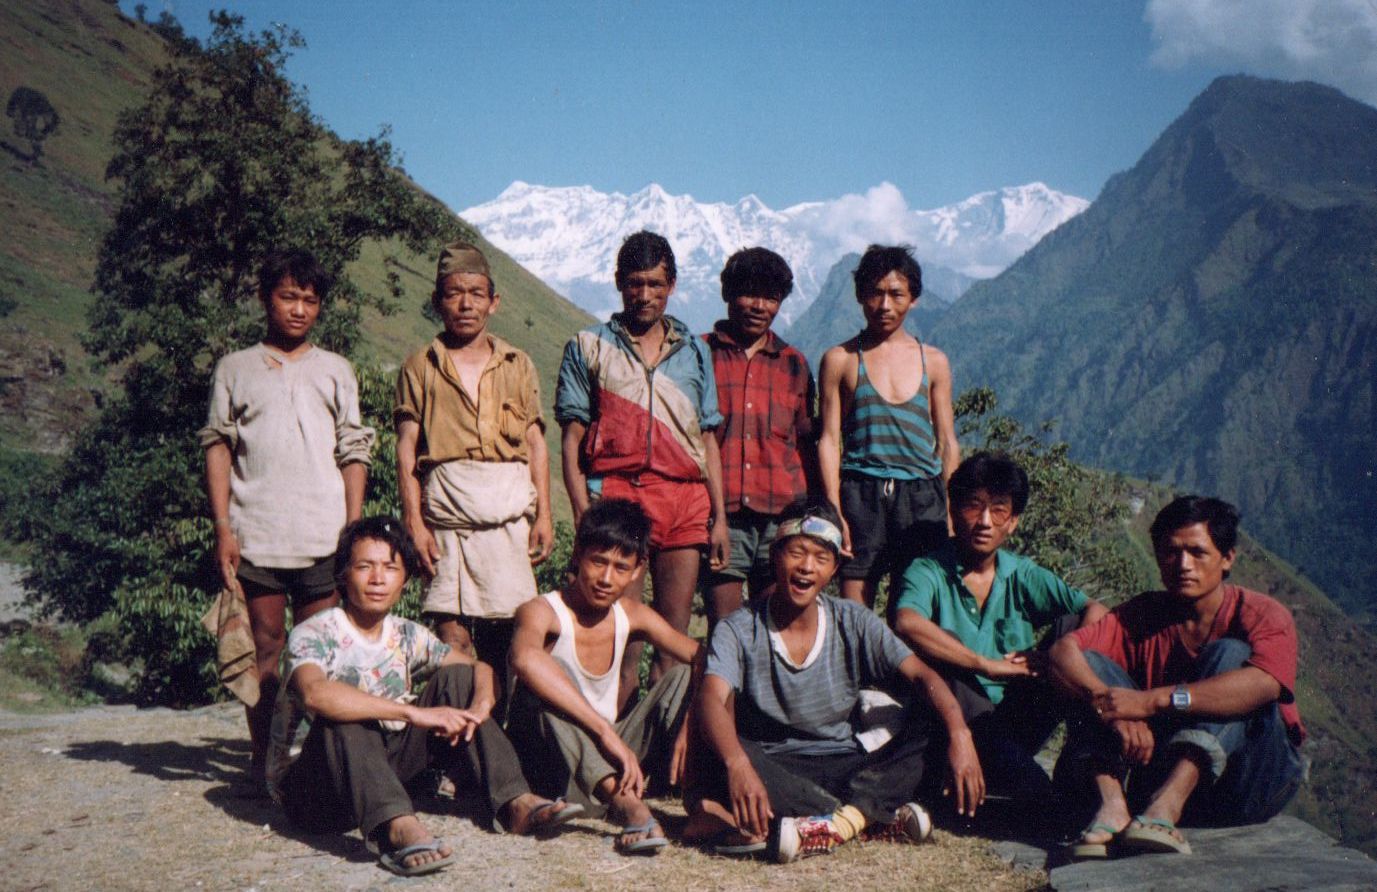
[{"x": 1000, "y": 512}]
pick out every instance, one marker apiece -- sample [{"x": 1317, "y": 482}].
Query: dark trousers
[
  {"x": 799, "y": 785},
  {"x": 1254, "y": 768},
  {"x": 355, "y": 773},
  {"x": 1009, "y": 734}
]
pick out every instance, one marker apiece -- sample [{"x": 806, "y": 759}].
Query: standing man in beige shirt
[
  {"x": 473, "y": 470},
  {"x": 287, "y": 460}
]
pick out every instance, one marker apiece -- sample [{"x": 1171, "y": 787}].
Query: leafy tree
[
  {"x": 1073, "y": 514},
  {"x": 34, "y": 118},
  {"x": 221, "y": 164}
]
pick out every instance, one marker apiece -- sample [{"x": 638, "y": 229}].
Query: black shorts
[
  {"x": 891, "y": 522},
  {"x": 303, "y": 585}
]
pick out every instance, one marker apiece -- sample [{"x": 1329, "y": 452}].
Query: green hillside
[
  {"x": 1210, "y": 322},
  {"x": 91, "y": 63}
]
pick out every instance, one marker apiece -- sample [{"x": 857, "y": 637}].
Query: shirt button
[
  {"x": 748, "y": 405},
  {"x": 748, "y": 466},
  {"x": 745, "y": 499}
]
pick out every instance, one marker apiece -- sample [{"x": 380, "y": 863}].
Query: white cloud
[
  {"x": 1330, "y": 41},
  {"x": 851, "y": 222}
]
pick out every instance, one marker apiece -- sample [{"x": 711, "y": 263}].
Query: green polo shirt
[{"x": 1023, "y": 598}]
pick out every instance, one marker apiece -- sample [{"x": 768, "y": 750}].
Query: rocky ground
[{"x": 119, "y": 798}]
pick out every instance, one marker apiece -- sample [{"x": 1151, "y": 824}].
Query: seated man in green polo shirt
[{"x": 973, "y": 611}]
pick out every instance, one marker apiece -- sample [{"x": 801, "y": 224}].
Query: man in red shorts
[{"x": 635, "y": 400}]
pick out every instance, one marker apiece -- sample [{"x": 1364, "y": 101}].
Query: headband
[{"x": 819, "y": 528}]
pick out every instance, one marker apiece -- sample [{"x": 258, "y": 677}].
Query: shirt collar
[
  {"x": 674, "y": 329},
  {"x": 501, "y": 350},
  {"x": 949, "y": 556},
  {"x": 721, "y": 337}
]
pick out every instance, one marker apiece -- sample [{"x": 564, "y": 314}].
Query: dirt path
[{"x": 118, "y": 798}]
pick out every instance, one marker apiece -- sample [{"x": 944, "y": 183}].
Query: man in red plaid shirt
[{"x": 766, "y": 394}]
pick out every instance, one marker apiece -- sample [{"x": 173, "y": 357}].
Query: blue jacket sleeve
[{"x": 572, "y": 399}]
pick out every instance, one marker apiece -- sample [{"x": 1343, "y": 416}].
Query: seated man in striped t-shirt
[
  {"x": 783, "y": 766},
  {"x": 888, "y": 443}
]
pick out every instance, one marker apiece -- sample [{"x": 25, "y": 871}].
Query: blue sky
[{"x": 791, "y": 101}]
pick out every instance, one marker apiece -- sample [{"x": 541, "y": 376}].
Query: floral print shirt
[{"x": 403, "y": 656}]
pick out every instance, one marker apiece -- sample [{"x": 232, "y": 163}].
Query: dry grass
[{"x": 117, "y": 799}]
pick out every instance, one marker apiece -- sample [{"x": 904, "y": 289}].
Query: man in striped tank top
[{"x": 888, "y": 442}]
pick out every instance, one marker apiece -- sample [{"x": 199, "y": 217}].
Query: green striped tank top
[{"x": 892, "y": 440}]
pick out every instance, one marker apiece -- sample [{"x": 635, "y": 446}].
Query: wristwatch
[{"x": 1180, "y": 699}]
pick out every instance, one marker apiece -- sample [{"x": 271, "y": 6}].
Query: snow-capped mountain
[{"x": 569, "y": 236}]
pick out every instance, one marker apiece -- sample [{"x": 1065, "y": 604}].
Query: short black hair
[
  {"x": 808, "y": 507},
  {"x": 383, "y": 529},
  {"x": 616, "y": 524},
  {"x": 994, "y": 472},
  {"x": 879, "y": 261},
  {"x": 301, "y": 266},
  {"x": 1218, "y": 516},
  {"x": 642, "y": 251},
  {"x": 758, "y": 272}
]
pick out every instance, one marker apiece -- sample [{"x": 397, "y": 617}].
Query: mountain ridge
[
  {"x": 1211, "y": 324},
  {"x": 569, "y": 235}
]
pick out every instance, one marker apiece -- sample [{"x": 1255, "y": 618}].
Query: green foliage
[
  {"x": 34, "y": 118},
  {"x": 1073, "y": 514},
  {"x": 54, "y": 659},
  {"x": 220, "y": 165}
]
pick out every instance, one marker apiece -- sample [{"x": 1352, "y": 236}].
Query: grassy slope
[{"x": 92, "y": 63}]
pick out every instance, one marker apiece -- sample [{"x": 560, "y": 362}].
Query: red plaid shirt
[{"x": 767, "y": 403}]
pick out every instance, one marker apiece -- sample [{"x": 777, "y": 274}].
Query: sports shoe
[
  {"x": 801, "y": 837},
  {"x": 911, "y": 824}
]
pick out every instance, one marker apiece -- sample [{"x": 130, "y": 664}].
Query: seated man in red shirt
[{"x": 1195, "y": 684}]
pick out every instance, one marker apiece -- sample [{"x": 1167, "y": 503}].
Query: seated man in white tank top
[{"x": 567, "y": 657}]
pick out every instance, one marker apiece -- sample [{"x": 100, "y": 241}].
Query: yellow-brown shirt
[{"x": 452, "y": 427}]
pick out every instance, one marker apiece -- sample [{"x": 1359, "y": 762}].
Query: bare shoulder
[
  {"x": 837, "y": 361},
  {"x": 937, "y": 360},
  {"x": 535, "y": 613}
]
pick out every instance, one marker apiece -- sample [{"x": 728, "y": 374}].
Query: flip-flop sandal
[
  {"x": 1153, "y": 835},
  {"x": 718, "y": 845},
  {"x": 560, "y": 812},
  {"x": 1090, "y": 851},
  {"x": 394, "y": 859},
  {"x": 650, "y": 845}
]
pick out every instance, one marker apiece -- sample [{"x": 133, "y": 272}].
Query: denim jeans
[{"x": 1254, "y": 769}]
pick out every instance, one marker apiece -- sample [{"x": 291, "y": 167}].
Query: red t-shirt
[{"x": 1144, "y": 636}]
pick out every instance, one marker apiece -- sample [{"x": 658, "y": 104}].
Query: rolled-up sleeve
[
  {"x": 572, "y": 390},
  {"x": 353, "y": 439},
  {"x": 410, "y": 396},
  {"x": 531, "y": 392},
  {"x": 220, "y": 424}
]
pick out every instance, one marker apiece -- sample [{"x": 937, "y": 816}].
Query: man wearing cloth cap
[
  {"x": 784, "y": 767},
  {"x": 473, "y": 470}
]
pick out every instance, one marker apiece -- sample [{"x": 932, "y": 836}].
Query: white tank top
[{"x": 599, "y": 690}]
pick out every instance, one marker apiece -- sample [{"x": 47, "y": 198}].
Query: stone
[{"x": 1283, "y": 855}]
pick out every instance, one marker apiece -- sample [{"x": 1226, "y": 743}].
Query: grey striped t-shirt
[{"x": 809, "y": 709}]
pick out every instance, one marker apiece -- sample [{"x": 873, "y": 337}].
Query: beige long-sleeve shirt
[{"x": 290, "y": 426}]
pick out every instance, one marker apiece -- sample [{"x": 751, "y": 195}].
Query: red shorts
[{"x": 678, "y": 509}]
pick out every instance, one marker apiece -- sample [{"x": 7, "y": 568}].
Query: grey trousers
[
  {"x": 355, "y": 773},
  {"x": 563, "y": 760}
]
